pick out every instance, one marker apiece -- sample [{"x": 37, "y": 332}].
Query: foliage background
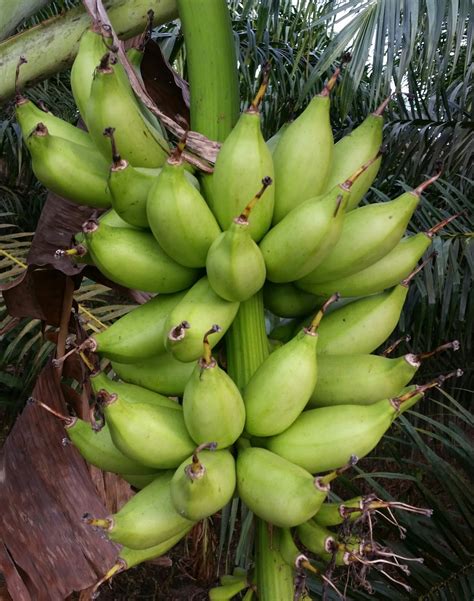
[{"x": 421, "y": 52}]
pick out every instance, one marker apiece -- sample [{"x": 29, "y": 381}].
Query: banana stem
[
  {"x": 323, "y": 482},
  {"x": 439, "y": 226},
  {"x": 104, "y": 523},
  {"x": 176, "y": 157},
  {"x": 419, "y": 189},
  {"x": 397, "y": 402},
  {"x": 331, "y": 83},
  {"x": 117, "y": 161},
  {"x": 80, "y": 250},
  {"x": 389, "y": 350},
  {"x": 254, "y": 107},
  {"x": 196, "y": 470},
  {"x": 242, "y": 219},
  {"x": 120, "y": 566},
  {"x": 207, "y": 359},
  {"x": 453, "y": 345},
  {"x": 408, "y": 279},
  {"x": 319, "y": 315},
  {"x": 380, "y": 109},
  {"x": 348, "y": 183},
  {"x": 68, "y": 420},
  {"x": 19, "y": 98}
]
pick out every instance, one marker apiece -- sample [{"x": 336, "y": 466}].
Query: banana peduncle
[
  {"x": 118, "y": 164},
  {"x": 319, "y": 315},
  {"x": 422, "y": 187},
  {"x": 348, "y": 183},
  {"x": 243, "y": 218},
  {"x": 389, "y": 350},
  {"x": 397, "y": 402},
  {"x": 196, "y": 470},
  {"x": 439, "y": 226},
  {"x": 453, "y": 345},
  {"x": 207, "y": 360},
  {"x": 19, "y": 98},
  {"x": 103, "y": 523},
  {"x": 255, "y": 105},
  {"x": 119, "y": 566},
  {"x": 324, "y": 482},
  {"x": 79, "y": 250},
  {"x": 408, "y": 279},
  {"x": 176, "y": 157},
  {"x": 68, "y": 420},
  {"x": 331, "y": 83}
]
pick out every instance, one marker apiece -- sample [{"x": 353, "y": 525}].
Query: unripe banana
[
  {"x": 361, "y": 379},
  {"x": 152, "y": 434},
  {"x": 305, "y": 237},
  {"x": 128, "y": 558},
  {"x": 138, "y": 334},
  {"x": 234, "y": 263},
  {"x": 365, "y": 379},
  {"x": 384, "y": 273},
  {"x": 368, "y": 234},
  {"x": 277, "y": 490},
  {"x": 243, "y": 161},
  {"x": 290, "y": 552},
  {"x": 97, "y": 447},
  {"x": 363, "y": 325},
  {"x": 131, "y": 393},
  {"x": 323, "y": 542},
  {"x": 112, "y": 104},
  {"x": 193, "y": 316},
  {"x": 134, "y": 259},
  {"x": 68, "y": 169},
  {"x": 281, "y": 387},
  {"x": 321, "y": 439},
  {"x": 355, "y": 149},
  {"x": 130, "y": 186},
  {"x": 285, "y": 300},
  {"x": 178, "y": 215},
  {"x": 29, "y": 115},
  {"x": 92, "y": 48},
  {"x": 147, "y": 519},
  {"x": 303, "y": 155},
  {"x": 203, "y": 483},
  {"x": 333, "y": 514},
  {"x": 212, "y": 404},
  {"x": 302, "y": 240},
  {"x": 161, "y": 373}
]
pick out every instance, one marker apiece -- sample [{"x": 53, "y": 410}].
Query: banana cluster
[{"x": 280, "y": 216}]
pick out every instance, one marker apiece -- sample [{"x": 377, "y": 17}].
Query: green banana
[
  {"x": 368, "y": 234},
  {"x": 128, "y": 558},
  {"x": 384, "y": 273},
  {"x": 92, "y": 47},
  {"x": 161, "y": 373},
  {"x": 281, "y": 387},
  {"x": 212, "y": 404},
  {"x": 147, "y": 519},
  {"x": 151, "y": 433},
  {"x": 112, "y": 104},
  {"x": 364, "y": 379},
  {"x": 290, "y": 552},
  {"x": 138, "y": 334},
  {"x": 97, "y": 447},
  {"x": 285, "y": 300},
  {"x": 355, "y": 149},
  {"x": 333, "y": 514},
  {"x": 227, "y": 591},
  {"x": 363, "y": 325},
  {"x": 306, "y": 235},
  {"x": 303, "y": 155},
  {"x": 203, "y": 483},
  {"x": 129, "y": 186},
  {"x": 131, "y": 393},
  {"x": 29, "y": 115},
  {"x": 243, "y": 161},
  {"x": 302, "y": 240},
  {"x": 69, "y": 169},
  {"x": 234, "y": 263},
  {"x": 321, "y": 439},
  {"x": 277, "y": 490},
  {"x": 134, "y": 259},
  {"x": 193, "y": 316},
  {"x": 323, "y": 542},
  {"x": 178, "y": 215}
]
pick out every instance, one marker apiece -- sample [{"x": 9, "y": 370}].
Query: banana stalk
[
  {"x": 212, "y": 66},
  {"x": 51, "y": 46},
  {"x": 212, "y": 70}
]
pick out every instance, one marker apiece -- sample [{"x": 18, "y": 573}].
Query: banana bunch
[{"x": 277, "y": 218}]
